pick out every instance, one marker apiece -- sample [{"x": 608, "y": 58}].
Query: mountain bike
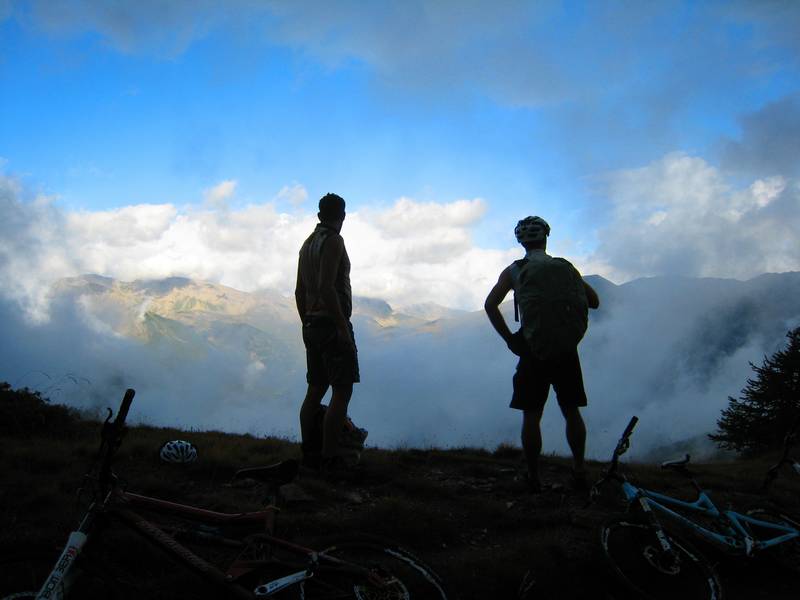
[
  {"x": 773, "y": 512},
  {"x": 228, "y": 555},
  {"x": 656, "y": 562}
]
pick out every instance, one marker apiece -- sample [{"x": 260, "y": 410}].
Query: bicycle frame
[
  {"x": 735, "y": 537},
  {"x": 738, "y": 538},
  {"x": 117, "y": 504}
]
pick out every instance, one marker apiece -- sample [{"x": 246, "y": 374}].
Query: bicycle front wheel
[
  {"x": 22, "y": 573},
  {"x": 639, "y": 561},
  {"x": 394, "y": 574}
]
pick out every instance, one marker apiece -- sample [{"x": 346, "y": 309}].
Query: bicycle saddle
[
  {"x": 676, "y": 464},
  {"x": 277, "y": 474}
]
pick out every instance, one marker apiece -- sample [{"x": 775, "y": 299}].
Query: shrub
[{"x": 24, "y": 413}]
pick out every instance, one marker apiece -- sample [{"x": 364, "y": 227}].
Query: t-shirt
[{"x": 309, "y": 268}]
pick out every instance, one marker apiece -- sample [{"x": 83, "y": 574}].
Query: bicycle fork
[
  {"x": 61, "y": 577},
  {"x": 656, "y": 558},
  {"x": 58, "y": 583}
]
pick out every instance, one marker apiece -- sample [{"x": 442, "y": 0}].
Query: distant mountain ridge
[
  {"x": 197, "y": 303},
  {"x": 725, "y": 311},
  {"x": 669, "y": 349}
]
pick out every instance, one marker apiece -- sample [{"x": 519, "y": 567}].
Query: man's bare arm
[
  {"x": 492, "y": 305},
  {"x": 591, "y": 296},
  {"x": 300, "y": 294},
  {"x": 329, "y": 265}
]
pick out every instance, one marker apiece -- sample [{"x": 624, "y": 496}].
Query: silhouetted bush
[
  {"x": 24, "y": 413},
  {"x": 769, "y": 404}
]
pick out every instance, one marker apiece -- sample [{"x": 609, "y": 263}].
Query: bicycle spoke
[
  {"x": 396, "y": 574},
  {"x": 787, "y": 554},
  {"x": 641, "y": 563}
]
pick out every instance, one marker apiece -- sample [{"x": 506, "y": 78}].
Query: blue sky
[{"x": 644, "y": 132}]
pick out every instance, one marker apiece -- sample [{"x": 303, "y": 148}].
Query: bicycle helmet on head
[
  {"x": 178, "y": 452},
  {"x": 531, "y": 229}
]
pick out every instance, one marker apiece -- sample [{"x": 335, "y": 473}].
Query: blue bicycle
[{"x": 656, "y": 563}]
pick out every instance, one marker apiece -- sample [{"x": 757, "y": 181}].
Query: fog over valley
[{"x": 202, "y": 355}]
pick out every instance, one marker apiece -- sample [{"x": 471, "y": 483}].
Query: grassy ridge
[{"x": 462, "y": 510}]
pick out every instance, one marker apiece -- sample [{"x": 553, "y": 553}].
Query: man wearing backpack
[
  {"x": 325, "y": 304},
  {"x": 553, "y": 301}
]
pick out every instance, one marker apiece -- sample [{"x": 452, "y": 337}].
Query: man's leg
[
  {"x": 335, "y": 418},
  {"x": 532, "y": 442},
  {"x": 576, "y": 435},
  {"x": 309, "y": 409}
]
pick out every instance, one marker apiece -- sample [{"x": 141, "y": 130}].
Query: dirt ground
[{"x": 466, "y": 512}]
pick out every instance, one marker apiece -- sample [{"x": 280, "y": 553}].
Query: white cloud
[
  {"x": 407, "y": 253},
  {"x": 294, "y": 194},
  {"x": 33, "y": 247},
  {"x": 216, "y": 196},
  {"x": 680, "y": 216},
  {"x": 676, "y": 216}
]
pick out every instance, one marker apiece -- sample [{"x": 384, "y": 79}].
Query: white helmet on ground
[
  {"x": 531, "y": 230},
  {"x": 178, "y": 452}
]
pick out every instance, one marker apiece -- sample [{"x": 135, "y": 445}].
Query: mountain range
[{"x": 669, "y": 349}]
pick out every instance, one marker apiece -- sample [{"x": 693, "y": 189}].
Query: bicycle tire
[
  {"x": 787, "y": 554},
  {"x": 24, "y": 569},
  {"x": 408, "y": 577},
  {"x": 637, "y": 560},
  {"x": 23, "y": 572}
]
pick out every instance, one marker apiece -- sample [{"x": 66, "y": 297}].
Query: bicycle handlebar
[
  {"x": 790, "y": 437},
  {"x": 111, "y": 436},
  {"x": 124, "y": 407},
  {"x": 631, "y": 424},
  {"x": 621, "y": 448},
  {"x": 788, "y": 441},
  {"x": 623, "y": 443}
]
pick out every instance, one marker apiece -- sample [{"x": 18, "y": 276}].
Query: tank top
[{"x": 309, "y": 267}]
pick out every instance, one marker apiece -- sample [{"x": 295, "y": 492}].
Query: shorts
[
  {"x": 328, "y": 361},
  {"x": 534, "y": 377}
]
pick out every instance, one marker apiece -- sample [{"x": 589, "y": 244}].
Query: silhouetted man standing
[
  {"x": 553, "y": 298},
  {"x": 324, "y": 302}
]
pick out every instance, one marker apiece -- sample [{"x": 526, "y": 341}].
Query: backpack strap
[{"x": 516, "y": 267}]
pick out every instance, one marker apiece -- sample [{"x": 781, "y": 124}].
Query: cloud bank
[
  {"x": 407, "y": 253},
  {"x": 681, "y": 216},
  {"x": 631, "y": 76},
  {"x": 769, "y": 143},
  {"x": 508, "y": 50},
  {"x": 650, "y": 353}
]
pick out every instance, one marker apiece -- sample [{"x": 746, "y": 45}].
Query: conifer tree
[{"x": 768, "y": 405}]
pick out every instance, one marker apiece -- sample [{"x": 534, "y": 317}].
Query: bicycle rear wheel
[
  {"x": 640, "y": 563},
  {"x": 400, "y": 575},
  {"x": 787, "y": 554}
]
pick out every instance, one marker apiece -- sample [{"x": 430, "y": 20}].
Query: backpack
[{"x": 551, "y": 296}]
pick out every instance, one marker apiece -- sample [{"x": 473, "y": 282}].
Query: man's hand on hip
[{"x": 517, "y": 344}]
